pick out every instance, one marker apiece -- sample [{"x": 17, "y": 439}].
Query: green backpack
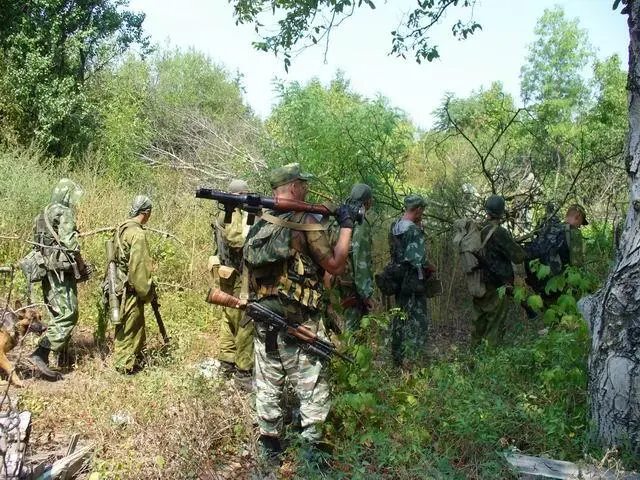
[{"x": 268, "y": 243}]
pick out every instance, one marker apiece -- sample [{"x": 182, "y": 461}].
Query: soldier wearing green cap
[
  {"x": 408, "y": 248},
  {"x": 500, "y": 252},
  {"x": 356, "y": 284},
  {"x": 557, "y": 245},
  {"x": 236, "y": 332},
  {"x": 134, "y": 285},
  {"x": 56, "y": 236},
  {"x": 287, "y": 278}
]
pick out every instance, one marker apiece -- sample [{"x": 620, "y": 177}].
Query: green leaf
[
  {"x": 535, "y": 302},
  {"x": 543, "y": 272},
  {"x": 411, "y": 400},
  {"x": 502, "y": 291},
  {"x": 519, "y": 294}
]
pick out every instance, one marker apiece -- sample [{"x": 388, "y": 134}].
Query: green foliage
[
  {"x": 308, "y": 22},
  {"x": 49, "y": 49},
  {"x": 452, "y": 419},
  {"x": 341, "y": 137}
]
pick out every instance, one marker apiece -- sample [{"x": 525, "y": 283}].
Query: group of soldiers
[
  {"x": 56, "y": 239},
  {"x": 286, "y": 261}
]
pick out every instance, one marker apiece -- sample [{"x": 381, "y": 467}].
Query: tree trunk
[{"x": 613, "y": 313}]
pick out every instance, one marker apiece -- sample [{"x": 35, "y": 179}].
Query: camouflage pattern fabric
[
  {"x": 236, "y": 341},
  {"x": 61, "y": 297},
  {"x": 501, "y": 251},
  {"x": 59, "y": 288},
  {"x": 357, "y": 281},
  {"x": 286, "y": 174},
  {"x": 306, "y": 373},
  {"x": 134, "y": 264},
  {"x": 410, "y": 330}
]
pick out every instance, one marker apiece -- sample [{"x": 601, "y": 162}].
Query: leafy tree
[
  {"x": 308, "y": 22},
  {"x": 552, "y": 75},
  {"x": 341, "y": 137},
  {"x": 48, "y": 50}
]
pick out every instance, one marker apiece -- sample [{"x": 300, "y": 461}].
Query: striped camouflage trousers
[{"x": 305, "y": 372}]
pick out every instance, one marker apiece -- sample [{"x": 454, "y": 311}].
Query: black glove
[{"x": 344, "y": 215}]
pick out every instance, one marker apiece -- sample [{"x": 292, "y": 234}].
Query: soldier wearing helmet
[{"x": 500, "y": 252}]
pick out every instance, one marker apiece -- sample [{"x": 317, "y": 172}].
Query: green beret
[
  {"x": 361, "y": 192},
  {"x": 287, "y": 174},
  {"x": 414, "y": 201}
]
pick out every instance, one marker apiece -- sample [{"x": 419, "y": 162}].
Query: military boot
[
  {"x": 243, "y": 380},
  {"x": 40, "y": 360},
  {"x": 270, "y": 450}
]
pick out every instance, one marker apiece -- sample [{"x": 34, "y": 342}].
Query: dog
[{"x": 15, "y": 324}]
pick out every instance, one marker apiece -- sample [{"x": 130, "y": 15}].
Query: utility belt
[{"x": 288, "y": 289}]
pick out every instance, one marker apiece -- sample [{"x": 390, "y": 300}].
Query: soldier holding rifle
[{"x": 286, "y": 254}]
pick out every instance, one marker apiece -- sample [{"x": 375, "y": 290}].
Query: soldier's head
[
  {"x": 414, "y": 207},
  {"x": 141, "y": 208},
  {"x": 67, "y": 193},
  {"x": 361, "y": 194},
  {"x": 576, "y": 216},
  {"x": 238, "y": 187},
  {"x": 289, "y": 181},
  {"x": 494, "y": 206}
]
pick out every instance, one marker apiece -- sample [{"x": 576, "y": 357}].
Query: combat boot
[
  {"x": 270, "y": 450},
  {"x": 243, "y": 380},
  {"x": 40, "y": 360}
]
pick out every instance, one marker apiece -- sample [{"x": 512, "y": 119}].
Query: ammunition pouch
[
  {"x": 391, "y": 279},
  {"x": 33, "y": 265}
]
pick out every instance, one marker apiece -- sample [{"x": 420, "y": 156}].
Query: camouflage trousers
[
  {"x": 61, "y": 297},
  {"x": 490, "y": 317},
  {"x": 130, "y": 335},
  {"x": 409, "y": 331},
  {"x": 306, "y": 374},
  {"x": 236, "y": 341}
]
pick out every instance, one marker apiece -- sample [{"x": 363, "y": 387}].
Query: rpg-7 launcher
[
  {"x": 254, "y": 203},
  {"x": 307, "y": 339}
]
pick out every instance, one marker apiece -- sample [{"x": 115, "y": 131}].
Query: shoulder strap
[
  {"x": 302, "y": 227},
  {"x": 50, "y": 227},
  {"x": 486, "y": 239},
  {"x": 119, "y": 231}
]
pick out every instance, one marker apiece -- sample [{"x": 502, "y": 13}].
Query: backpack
[
  {"x": 268, "y": 243},
  {"x": 470, "y": 246},
  {"x": 551, "y": 245}
]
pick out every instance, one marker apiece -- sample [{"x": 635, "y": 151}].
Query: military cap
[
  {"x": 360, "y": 192},
  {"x": 494, "y": 205},
  {"x": 66, "y": 192},
  {"x": 286, "y": 174},
  {"x": 580, "y": 209},
  {"x": 238, "y": 186},
  {"x": 141, "y": 203},
  {"x": 414, "y": 201}
]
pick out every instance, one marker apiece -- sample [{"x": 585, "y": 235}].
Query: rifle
[
  {"x": 254, "y": 203},
  {"x": 306, "y": 338},
  {"x": 155, "y": 305}
]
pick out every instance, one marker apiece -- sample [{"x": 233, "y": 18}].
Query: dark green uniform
[
  {"x": 500, "y": 252},
  {"x": 410, "y": 330}
]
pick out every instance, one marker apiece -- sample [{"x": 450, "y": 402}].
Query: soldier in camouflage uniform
[
  {"x": 133, "y": 271},
  {"x": 236, "y": 332},
  {"x": 408, "y": 248},
  {"x": 356, "y": 284},
  {"x": 292, "y": 287},
  {"x": 55, "y": 233},
  {"x": 500, "y": 251},
  {"x": 557, "y": 245}
]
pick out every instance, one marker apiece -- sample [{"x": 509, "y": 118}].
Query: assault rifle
[
  {"x": 307, "y": 339},
  {"x": 155, "y": 306},
  {"x": 254, "y": 203}
]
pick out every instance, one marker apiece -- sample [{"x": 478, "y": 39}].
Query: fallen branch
[
  {"x": 111, "y": 229},
  {"x": 547, "y": 468}
]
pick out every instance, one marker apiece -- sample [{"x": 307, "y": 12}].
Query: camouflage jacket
[
  {"x": 500, "y": 252},
  {"x": 557, "y": 245},
  {"x": 407, "y": 244},
  {"x": 63, "y": 222},
  {"x": 358, "y": 274}
]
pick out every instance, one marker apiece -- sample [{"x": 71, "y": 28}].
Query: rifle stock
[
  {"x": 155, "y": 305},
  {"x": 308, "y": 340}
]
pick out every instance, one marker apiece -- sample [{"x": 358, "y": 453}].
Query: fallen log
[{"x": 537, "y": 467}]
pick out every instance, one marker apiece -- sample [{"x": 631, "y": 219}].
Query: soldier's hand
[{"x": 344, "y": 215}]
